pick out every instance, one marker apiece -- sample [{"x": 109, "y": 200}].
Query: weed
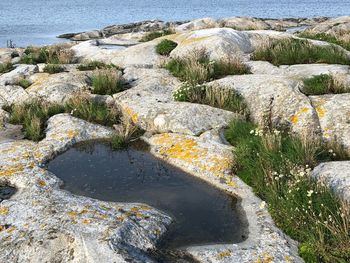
[
  {"x": 24, "y": 83},
  {"x": 5, "y": 67},
  {"x": 297, "y": 51},
  {"x": 165, "y": 47},
  {"x": 324, "y": 84},
  {"x": 92, "y": 65},
  {"x": 53, "y": 68}
]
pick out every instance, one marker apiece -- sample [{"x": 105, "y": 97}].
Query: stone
[
  {"x": 266, "y": 97},
  {"x": 333, "y": 112},
  {"x": 150, "y": 105},
  {"x": 339, "y": 27},
  {"x": 60, "y": 87},
  {"x": 20, "y": 72},
  {"x": 245, "y": 23},
  {"x": 336, "y": 175},
  {"x": 197, "y": 24},
  {"x": 14, "y": 94}
]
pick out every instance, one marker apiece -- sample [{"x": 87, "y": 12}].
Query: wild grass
[
  {"x": 197, "y": 68},
  {"x": 5, "y": 67},
  {"x": 33, "y": 116},
  {"x": 92, "y": 65},
  {"x": 24, "y": 83},
  {"x": 324, "y": 84},
  {"x": 153, "y": 35},
  {"x": 106, "y": 82},
  {"x": 215, "y": 96},
  {"x": 326, "y": 37},
  {"x": 277, "y": 166},
  {"x": 56, "y": 54},
  {"x": 53, "y": 68},
  {"x": 297, "y": 51},
  {"x": 165, "y": 47}
]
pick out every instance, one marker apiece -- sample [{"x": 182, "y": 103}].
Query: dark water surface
[
  {"x": 29, "y": 22},
  {"x": 202, "y": 213}
]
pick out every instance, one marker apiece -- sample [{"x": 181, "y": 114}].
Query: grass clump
[
  {"x": 326, "y": 37},
  {"x": 92, "y": 65},
  {"x": 277, "y": 166},
  {"x": 153, "y": 35},
  {"x": 165, "y": 47},
  {"x": 24, "y": 83},
  {"x": 33, "y": 116},
  {"x": 107, "y": 82},
  {"x": 197, "y": 68},
  {"x": 53, "y": 68},
  {"x": 52, "y": 55},
  {"x": 297, "y": 51},
  {"x": 324, "y": 84},
  {"x": 6, "y": 67},
  {"x": 215, "y": 96}
]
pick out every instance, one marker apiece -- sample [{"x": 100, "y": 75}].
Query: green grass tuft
[
  {"x": 296, "y": 51},
  {"x": 165, "y": 47},
  {"x": 24, "y": 83},
  {"x": 326, "y": 37},
  {"x": 323, "y": 84},
  {"x": 92, "y": 65},
  {"x": 277, "y": 166},
  {"x": 118, "y": 142},
  {"x": 106, "y": 82},
  {"x": 53, "y": 68},
  {"x": 153, "y": 35},
  {"x": 6, "y": 67}
]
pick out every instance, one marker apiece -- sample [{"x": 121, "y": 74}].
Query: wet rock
[
  {"x": 334, "y": 116},
  {"x": 267, "y": 96},
  {"x": 336, "y": 175}
]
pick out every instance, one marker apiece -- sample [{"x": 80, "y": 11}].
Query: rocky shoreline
[{"x": 42, "y": 223}]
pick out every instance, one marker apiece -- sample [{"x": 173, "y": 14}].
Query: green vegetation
[
  {"x": 5, "y": 67},
  {"x": 118, "y": 142},
  {"x": 92, "y": 65},
  {"x": 324, "y": 84},
  {"x": 52, "y": 55},
  {"x": 153, "y": 35},
  {"x": 296, "y": 51},
  {"x": 33, "y": 116},
  {"x": 215, "y": 96},
  {"x": 197, "y": 69},
  {"x": 107, "y": 82},
  {"x": 53, "y": 68},
  {"x": 326, "y": 37},
  {"x": 165, "y": 47},
  {"x": 24, "y": 83},
  {"x": 277, "y": 166}
]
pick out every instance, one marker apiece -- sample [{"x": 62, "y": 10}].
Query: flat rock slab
[
  {"x": 336, "y": 175},
  {"x": 334, "y": 115},
  {"x": 43, "y": 223},
  {"x": 274, "y": 101},
  {"x": 149, "y": 103}
]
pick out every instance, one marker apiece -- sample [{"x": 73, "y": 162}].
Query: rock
[
  {"x": 218, "y": 42},
  {"x": 8, "y": 54},
  {"x": 150, "y": 105},
  {"x": 336, "y": 175},
  {"x": 87, "y": 36},
  {"x": 9, "y": 132},
  {"x": 20, "y": 72},
  {"x": 338, "y": 27},
  {"x": 14, "y": 94},
  {"x": 60, "y": 87},
  {"x": 267, "y": 96},
  {"x": 245, "y": 23},
  {"x": 197, "y": 24},
  {"x": 334, "y": 116}
]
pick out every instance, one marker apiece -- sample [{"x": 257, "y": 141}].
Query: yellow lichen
[
  {"x": 224, "y": 254},
  {"x": 86, "y": 221},
  {"x": 42, "y": 183},
  {"x": 4, "y": 210},
  {"x": 320, "y": 111},
  {"x": 133, "y": 115}
]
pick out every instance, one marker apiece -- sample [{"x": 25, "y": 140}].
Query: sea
[{"x": 38, "y": 22}]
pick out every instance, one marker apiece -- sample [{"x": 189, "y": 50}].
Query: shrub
[
  {"x": 52, "y": 54},
  {"x": 6, "y": 67},
  {"x": 92, "y": 65},
  {"x": 326, "y": 37},
  {"x": 197, "y": 68},
  {"x": 323, "y": 84},
  {"x": 215, "y": 96},
  {"x": 153, "y": 35},
  {"x": 33, "y": 116},
  {"x": 106, "y": 82},
  {"x": 297, "y": 51},
  {"x": 53, "y": 68},
  {"x": 165, "y": 47},
  {"x": 277, "y": 166},
  {"x": 24, "y": 83},
  {"x": 35, "y": 55}
]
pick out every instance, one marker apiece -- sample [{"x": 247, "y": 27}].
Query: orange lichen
[
  {"x": 42, "y": 183},
  {"x": 4, "y": 210},
  {"x": 294, "y": 119},
  {"x": 320, "y": 111},
  {"x": 86, "y": 221},
  {"x": 224, "y": 254}
]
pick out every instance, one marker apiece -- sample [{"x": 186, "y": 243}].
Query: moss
[
  {"x": 165, "y": 47},
  {"x": 296, "y": 51}
]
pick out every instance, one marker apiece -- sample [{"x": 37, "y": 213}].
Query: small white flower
[
  {"x": 262, "y": 205},
  {"x": 309, "y": 193}
]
